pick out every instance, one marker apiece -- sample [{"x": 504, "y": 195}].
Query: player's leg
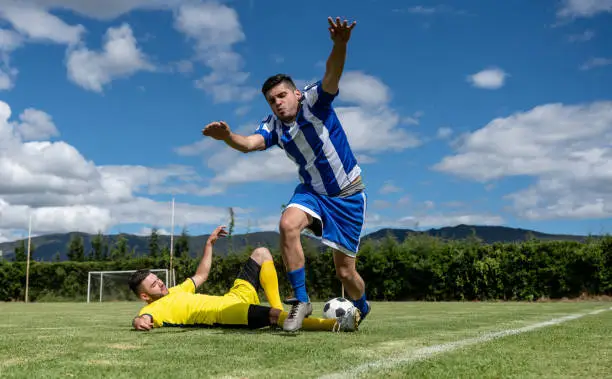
[
  {"x": 353, "y": 283},
  {"x": 267, "y": 276},
  {"x": 343, "y": 220},
  {"x": 347, "y": 323},
  {"x": 298, "y": 215}
]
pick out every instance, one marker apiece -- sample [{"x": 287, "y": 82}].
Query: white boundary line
[{"x": 429, "y": 351}]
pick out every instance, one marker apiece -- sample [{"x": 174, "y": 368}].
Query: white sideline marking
[{"x": 429, "y": 351}]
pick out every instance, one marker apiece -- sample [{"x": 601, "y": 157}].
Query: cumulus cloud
[
  {"x": 36, "y": 124},
  {"x": 564, "y": 148},
  {"x": 215, "y": 28},
  {"x": 491, "y": 78},
  {"x": 595, "y": 62},
  {"x": 444, "y": 132},
  {"x": 39, "y": 25},
  {"x": 63, "y": 191},
  {"x": 120, "y": 57},
  {"x": 583, "y": 8},
  {"x": 360, "y": 88},
  {"x": 376, "y": 221}
]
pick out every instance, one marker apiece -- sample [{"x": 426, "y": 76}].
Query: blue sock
[
  {"x": 361, "y": 304},
  {"x": 298, "y": 283}
]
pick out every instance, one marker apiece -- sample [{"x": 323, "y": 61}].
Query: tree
[
  {"x": 181, "y": 245},
  {"x": 76, "y": 249},
  {"x": 56, "y": 257},
  {"x": 120, "y": 250},
  {"x": 154, "y": 243},
  {"x": 21, "y": 255},
  {"x": 97, "y": 247}
]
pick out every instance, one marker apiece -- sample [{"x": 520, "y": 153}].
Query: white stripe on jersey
[
  {"x": 304, "y": 147},
  {"x": 328, "y": 148}
]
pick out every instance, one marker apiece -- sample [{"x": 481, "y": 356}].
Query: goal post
[{"x": 114, "y": 284}]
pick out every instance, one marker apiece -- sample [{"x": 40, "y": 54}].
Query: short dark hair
[
  {"x": 275, "y": 80},
  {"x": 136, "y": 278}
]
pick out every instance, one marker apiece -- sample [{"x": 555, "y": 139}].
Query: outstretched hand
[
  {"x": 340, "y": 32},
  {"x": 219, "y": 232},
  {"x": 218, "y": 130}
]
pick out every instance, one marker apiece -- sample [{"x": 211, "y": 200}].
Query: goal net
[{"x": 113, "y": 285}]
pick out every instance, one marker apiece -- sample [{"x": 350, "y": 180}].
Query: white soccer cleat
[{"x": 349, "y": 322}]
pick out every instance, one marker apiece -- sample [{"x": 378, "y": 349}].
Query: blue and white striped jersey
[{"x": 316, "y": 142}]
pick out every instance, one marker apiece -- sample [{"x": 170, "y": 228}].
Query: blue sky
[{"x": 461, "y": 112}]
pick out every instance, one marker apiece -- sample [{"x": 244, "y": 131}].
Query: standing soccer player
[{"x": 330, "y": 200}]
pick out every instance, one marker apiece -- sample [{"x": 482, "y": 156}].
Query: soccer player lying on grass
[{"x": 181, "y": 306}]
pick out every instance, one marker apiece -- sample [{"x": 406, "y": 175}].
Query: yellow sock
[
  {"x": 269, "y": 282},
  {"x": 312, "y": 323}
]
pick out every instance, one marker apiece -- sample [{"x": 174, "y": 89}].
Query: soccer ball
[{"x": 337, "y": 307}]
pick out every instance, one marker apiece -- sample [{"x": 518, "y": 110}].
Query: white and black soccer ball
[{"x": 337, "y": 307}]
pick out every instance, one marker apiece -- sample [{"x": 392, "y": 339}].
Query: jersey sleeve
[
  {"x": 317, "y": 99},
  {"x": 188, "y": 285},
  {"x": 268, "y": 131},
  {"x": 155, "y": 312}
]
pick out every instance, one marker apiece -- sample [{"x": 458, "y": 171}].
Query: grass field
[{"x": 398, "y": 340}]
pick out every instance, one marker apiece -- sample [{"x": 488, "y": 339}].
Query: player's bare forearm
[
  {"x": 245, "y": 144},
  {"x": 334, "y": 68},
  {"x": 201, "y": 274}
]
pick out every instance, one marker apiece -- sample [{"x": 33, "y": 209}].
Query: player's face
[
  {"x": 152, "y": 288},
  {"x": 284, "y": 101}
]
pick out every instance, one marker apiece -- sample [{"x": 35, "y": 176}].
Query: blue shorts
[{"x": 338, "y": 221}]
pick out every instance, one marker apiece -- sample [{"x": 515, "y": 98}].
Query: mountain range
[{"x": 46, "y": 247}]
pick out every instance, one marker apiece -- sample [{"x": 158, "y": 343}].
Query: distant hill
[
  {"x": 488, "y": 234},
  {"x": 46, "y": 246}
]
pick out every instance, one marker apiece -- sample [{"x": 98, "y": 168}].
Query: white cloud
[
  {"x": 565, "y": 148},
  {"x": 444, "y": 132},
  {"x": 39, "y": 25},
  {"x": 583, "y": 8},
  {"x": 412, "y": 120},
  {"x": 375, "y": 130},
  {"x": 595, "y": 62},
  {"x": 452, "y": 219},
  {"x": 430, "y": 10},
  {"x": 9, "y": 40},
  {"x": 36, "y": 125},
  {"x": 216, "y": 28},
  {"x": 388, "y": 188},
  {"x": 587, "y": 35},
  {"x": 63, "y": 191},
  {"x": 491, "y": 78},
  {"x": 362, "y": 89},
  {"x": 375, "y": 221},
  {"x": 120, "y": 57},
  {"x": 146, "y": 231},
  {"x": 100, "y": 10},
  {"x": 7, "y": 79}
]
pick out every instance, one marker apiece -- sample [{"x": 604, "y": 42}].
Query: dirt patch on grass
[
  {"x": 123, "y": 346},
  {"x": 11, "y": 362}
]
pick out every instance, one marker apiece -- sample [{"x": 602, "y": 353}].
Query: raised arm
[
  {"x": 340, "y": 33},
  {"x": 220, "y": 130},
  {"x": 203, "y": 269}
]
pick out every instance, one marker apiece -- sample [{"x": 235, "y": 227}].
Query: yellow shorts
[{"x": 233, "y": 307}]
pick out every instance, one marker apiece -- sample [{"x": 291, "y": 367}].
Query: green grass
[{"x": 95, "y": 340}]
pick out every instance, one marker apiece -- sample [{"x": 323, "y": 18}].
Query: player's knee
[
  {"x": 344, "y": 273},
  {"x": 261, "y": 254},
  {"x": 290, "y": 223}
]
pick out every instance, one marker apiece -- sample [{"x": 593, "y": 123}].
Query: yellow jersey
[{"x": 183, "y": 307}]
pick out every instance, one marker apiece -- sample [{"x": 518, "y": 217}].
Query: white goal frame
[{"x": 170, "y": 281}]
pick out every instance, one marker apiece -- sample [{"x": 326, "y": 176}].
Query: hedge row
[{"x": 419, "y": 268}]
